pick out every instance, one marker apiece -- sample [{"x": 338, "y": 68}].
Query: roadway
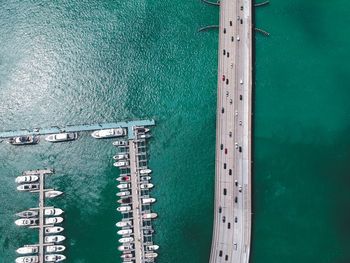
[{"x": 232, "y": 215}]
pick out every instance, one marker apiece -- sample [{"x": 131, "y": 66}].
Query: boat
[
  {"x": 54, "y": 258},
  {"x": 148, "y": 200},
  {"x": 109, "y": 133},
  {"x": 27, "y": 213},
  {"x": 53, "y": 220},
  {"x": 53, "y": 211},
  {"x": 121, "y": 163},
  {"x": 123, "y": 193},
  {"x": 27, "y": 222},
  {"x": 28, "y": 187},
  {"x": 55, "y": 248},
  {"x": 126, "y": 200},
  {"x": 126, "y": 240},
  {"x": 149, "y": 216},
  {"x": 53, "y": 229},
  {"x": 142, "y": 129},
  {"x": 123, "y": 178},
  {"x": 62, "y": 137},
  {"x": 148, "y": 231},
  {"x": 121, "y": 156},
  {"x": 128, "y": 255},
  {"x": 125, "y": 248},
  {"x": 123, "y": 223},
  {"x": 145, "y": 171},
  {"x": 151, "y": 255},
  {"x": 27, "y": 250},
  {"x": 26, "y": 179},
  {"x": 152, "y": 247},
  {"x": 54, "y": 239},
  {"x": 120, "y": 143},
  {"x": 52, "y": 193},
  {"x": 123, "y": 186},
  {"x": 145, "y": 178},
  {"x": 27, "y": 259},
  {"x": 146, "y": 186},
  {"x": 144, "y": 136},
  {"x": 24, "y": 140},
  {"x": 124, "y": 208},
  {"x": 124, "y": 232}
]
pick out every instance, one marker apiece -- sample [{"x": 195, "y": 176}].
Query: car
[
  {"x": 230, "y": 23},
  {"x": 236, "y": 183},
  {"x": 224, "y": 30},
  {"x": 231, "y": 101},
  {"x": 223, "y": 219},
  {"x": 223, "y": 77},
  {"x": 226, "y": 81},
  {"x": 222, "y": 110},
  {"x": 221, "y": 146},
  {"x": 220, "y": 209},
  {"x": 236, "y": 199},
  {"x": 224, "y": 52},
  {"x": 242, "y": 8},
  {"x": 225, "y": 150},
  {"x": 232, "y": 38},
  {"x": 227, "y": 93},
  {"x": 236, "y": 219},
  {"x": 230, "y": 134},
  {"x": 238, "y": 39}
]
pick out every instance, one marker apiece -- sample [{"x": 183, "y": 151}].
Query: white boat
[
  {"x": 26, "y": 179},
  {"x": 128, "y": 255},
  {"x": 124, "y": 208},
  {"x": 123, "y": 223},
  {"x": 27, "y": 250},
  {"x": 53, "y": 212},
  {"x": 148, "y": 200},
  {"x": 62, "y": 137},
  {"x": 28, "y": 187},
  {"x": 125, "y": 248},
  {"x": 27, "y": 222},
  {"x": 151, "y": 255},
  {"x": 54, "y": 239},
  {"x": 126, "y": 240},
  {"x": 145, "y": 171},
  {"x": 123, "y": 193},
  {"x": 121, "y": 156},
  {"x": 142, "y": 129},
  {"x": 146, "y": 186},
  {"x": 55, "y": 248},
  {"x": 52, "y": 193},
  {"x": 152, "y": 247},
  {"x": 124, "y": 232},
  {"x": 121, "y": 163},
  {"x": 28, "y": 259},
  {"x": 145, "y": 178},
  {"x": 123, "y": 186},
  {"x": 126, "y": 200},
  {"x": 144, "y": 136},
  {"x": 120, "y": 143},
  {"x": 24, "y": 140},
  {"x": 54, "y": 258},
  {"x": 53, "y": 229},
  {"x": 148, "y": 231},
  {"x": 149, "y": 216},
  {"x": 27, "y": 213},
  {"x": 109, "y": 133},
  {"x": 123, "y": 178},
  {"x": 53, "y": 220}
]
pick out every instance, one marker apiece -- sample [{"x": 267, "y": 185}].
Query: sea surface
[{"x": 74, "y": 62}]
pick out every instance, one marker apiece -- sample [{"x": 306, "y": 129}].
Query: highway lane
[{"x": 232, "y": 215}]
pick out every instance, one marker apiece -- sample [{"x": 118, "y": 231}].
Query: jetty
[{"x": 232, "y": 204}]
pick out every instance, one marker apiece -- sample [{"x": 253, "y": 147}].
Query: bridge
[{"x": 232, "y": 206}]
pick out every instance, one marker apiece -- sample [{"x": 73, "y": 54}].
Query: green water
[{"x": 70, "y": 62}]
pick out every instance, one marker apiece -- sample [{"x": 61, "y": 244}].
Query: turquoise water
[{"x": 72, "y": 62}]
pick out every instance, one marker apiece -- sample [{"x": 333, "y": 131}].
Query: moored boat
[
  {"x": 121, "y": 156},
  {"x": 26, "y": 179},
  {"x": 54, "y": 239},
  {"x": 121, "y": 163},
  {"x": 124, "y": 208},
  {"x": 142, "y": 129},
  {"x": 123, "y": 178},
  {"x": 52, "y": 193},
  {"x": 125, "y": 248},
  {"x": 124, "y": 232},
  {"x": 146, "y": 186},
  {"x": 150, "y": 200},
  {"x": 123, "y": 186},
  {"x": 123, "y": 223},
  {"x": 128, "y": 255},
  {"x": 27, "y": 259},
  {"x": 123, "y": 193},
  {"x": 24, "y": 140},
  {"x": 145, "y": 178},
  {"x": 151, "y": 255},
  {"x": 27, "y": 250},
  {"x": 152, "y": 247},
  {"x": 145, "y": 171},
  {"x": 27, "y": 222},
  {"x": 62, "y": 137},
  {"x": 27, "y": 213},
  {"x": 149, "y": 216},
  {"x": 28, "y": 187},
  {"x": 126, "y": 240},
  {"x": 55, "y": 248},
  {"x": 53, "y": 211},
  {"x": 120, "y": 143},
  {"x": 54, "y": 258},
  {"x": 126, "y": 200},
  {"x": 109, "y": 133},
  {"x": 53, "y": 220},
  {"x": 53, "y": 229},
  {"x": 144, "y": 136}
]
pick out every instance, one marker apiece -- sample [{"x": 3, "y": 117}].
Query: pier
[{"x": 232, "y": 206}]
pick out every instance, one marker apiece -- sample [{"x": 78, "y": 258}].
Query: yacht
[
  {"x": 26, "y": 179},
  {"x": 27, "y": 222},
  {"x": 148, "y": 200},
  {"x": 124, "y": 232},
  {"x": 123, "y": 208},
  {"x": 151, "y": 255},
  {"x": 128, "y": 255},
  {"x": 120, "y": 143},
  {"x": 28, "y": 259},
  {"x": 52, "y": 193},
  {"x": 121, "y": 163},
  {"x": 27, "y": 213},
  {"x": 123, "y": 178},
  {"x": 62, "y": 137},
  {"x": 148, "y": 231},
  {"x": 149, "y": 216},
  {"x": 54, "y": 258},
  {"x": 146, "y": 186},
  {"x": 53, "y": 229},
  {"x": 27, "y": 250},
  {"x": 123, "y": 223},
  {"x": 142, "y": 129},
  {"x": 145, "y": 171},
  {"x": 54, "y": 239},
  {"x": 152, "y": 247},
  {"x": 28, "y": 187},
  {"x": 109, "y": 133},
  {"x": 121, "y": 156},
  {"x": 123, "y": 186},
  {"x": 126, "y": 240},
  {"x": 145, "y": 178},
  {"x": 55, "y": 248},
  {"x": 53, "y": 211},
  {"x": 144, "y": 136},
  {"x": 53, "y": 220},
  {"x": 126, "y": 200},
  {"x": 125, "y": 248},
  {"x": 123, "y": 193},
  {"x": 24, "y": 140}
]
